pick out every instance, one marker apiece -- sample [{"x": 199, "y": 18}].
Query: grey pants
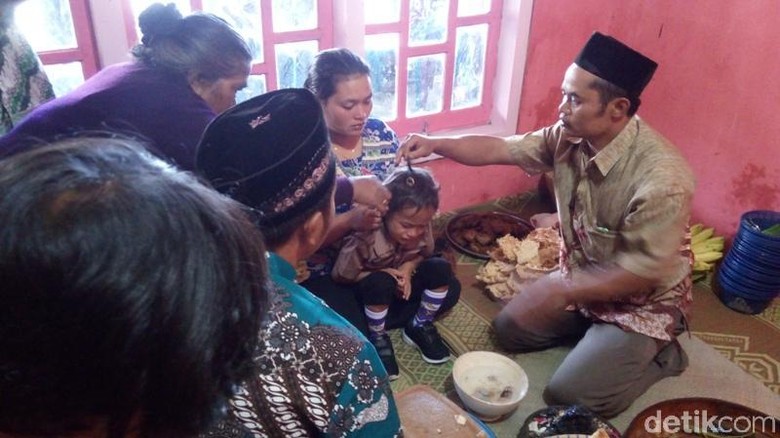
[{"x": 607, "y": 369}]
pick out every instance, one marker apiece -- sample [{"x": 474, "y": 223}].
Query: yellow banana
[
  {"x": 696, "y": 229},
  {"x": 702, "y": 235},
  {"x": 708, "y": 257},
  {"x": 699, "y": 265},
  {"x": 712, "y": 244}
]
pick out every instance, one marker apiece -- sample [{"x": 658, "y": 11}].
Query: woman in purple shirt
[{"x": 186, "y": 70}]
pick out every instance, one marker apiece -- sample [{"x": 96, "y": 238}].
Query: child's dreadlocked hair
[{"x": 414, "y": 188}]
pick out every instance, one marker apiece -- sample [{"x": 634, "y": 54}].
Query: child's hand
[
  {"x": 405, "y": 287},
  {"x": 403, "y": 282},
  {"x": 364, "y": 218}
]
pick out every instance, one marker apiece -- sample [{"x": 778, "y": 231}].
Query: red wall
[{"x": 716, "y": 93}]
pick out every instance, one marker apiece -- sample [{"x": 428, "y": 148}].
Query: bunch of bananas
[{"x": 707, "y": 248}]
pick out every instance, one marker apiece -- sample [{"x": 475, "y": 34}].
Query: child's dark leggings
[{"x": 433, "y": 273}]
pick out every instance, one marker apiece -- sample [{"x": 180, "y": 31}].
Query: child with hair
[{"x": 395, "y": 264}]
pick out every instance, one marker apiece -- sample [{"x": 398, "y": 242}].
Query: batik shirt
[
  {"x": 315, "y": 376},
  {"x": 378, "y": 153},
  {"x": 23, "y": 83},
  {"x": 627, "y": 205}
]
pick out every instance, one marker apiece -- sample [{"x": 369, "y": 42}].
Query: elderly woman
[
  {"x": 131, "y": 294},
  {"x": 187, "y": 70},
  {"x": 315, "y": 374}
]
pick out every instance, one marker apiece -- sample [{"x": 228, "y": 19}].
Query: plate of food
[
  {"x": 424, "y": 413},
  {"x": 518, "y": 261},
  {"x": 475, "y": 233}
]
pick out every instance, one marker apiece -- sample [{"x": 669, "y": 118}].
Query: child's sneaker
[
  {"x": 384, "y": 346},
  {"x": 427, "y": 339}
]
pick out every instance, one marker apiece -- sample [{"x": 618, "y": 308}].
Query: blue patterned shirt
[{"x": 316, "y": 374}]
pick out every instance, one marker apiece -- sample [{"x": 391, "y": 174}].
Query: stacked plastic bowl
[{"x": 749, "y": 276}]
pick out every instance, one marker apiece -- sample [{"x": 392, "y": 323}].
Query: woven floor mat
[{"x": 750, "y": 341}]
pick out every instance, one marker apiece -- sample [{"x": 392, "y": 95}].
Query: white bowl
[{"x": 490, "y": 384}]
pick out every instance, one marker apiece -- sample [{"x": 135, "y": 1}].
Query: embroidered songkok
[
  {"x": 271, "y": 153},
  {"x": 615, "y": 62}
]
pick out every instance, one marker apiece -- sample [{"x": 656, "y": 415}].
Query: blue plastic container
[
  {"x": 757, "y": 257},
  {"x": 740, "y": 271},
  {"x": 752, "y": 224},
  {"x": 730, "y": 296},
  {"x": 762, "y": 272},
  {"x": 748, "y": 285},
  {"x": 738, "y": 286}
]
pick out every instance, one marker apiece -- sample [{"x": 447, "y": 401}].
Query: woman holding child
[{"x": 365, "y": 146}]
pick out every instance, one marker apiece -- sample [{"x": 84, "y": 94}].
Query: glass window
[
  {"x": 293, "y": 61},
  {"x": 470, "y": 8},
  {"x": 425, "y": 85},
  {"x": 255, "y": 86},
  {"x": 245, "y": 16},
  {"x": 382, "y": 58},
  {"x": 64, "y": 77},
  {"x": 385, "y": 11},
  {"x": 467, "y": 83},
  {"x": 427, "y": 21},
  {"x": 290, "y": 15},
  {"x": 65, "y": 47},
  {"x": 430, "y": 67},
  {"x": 52, "y": 15}
]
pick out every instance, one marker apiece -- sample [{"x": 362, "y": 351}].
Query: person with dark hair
[
  {"x": 187, "y": 70},
  {"x": 624, "y": 197},
  {"x": 131, "y": 294},
  {"x": 364, "y": 146},
  {"x": 23, "y": 83},
  {"x": 314, "y": 373},
  {"x": 390, "y": 264}
]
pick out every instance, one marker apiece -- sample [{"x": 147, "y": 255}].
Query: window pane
[
  {"x": 384, "y": 11},
  {"x": 293, "y": 61},
  {"x": 470, "y": 45},
  {"x": 294, "y": 15},
  {"x": 244, "y": 16},
  {"x": 47, "y": 24},
  {"x": 255, "y": 86},
  {"x": 425, "y": 89},
  {"x": 467, "y": 8},
  {"x": 64, "y": 77},
  {"x": 428, "y": 21},
  {"x": 138, "y": 6},
  {"x": 382, "y": 57}
]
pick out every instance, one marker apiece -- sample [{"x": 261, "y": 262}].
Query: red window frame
[
  {"x": 84, "y": 52},
  {"x": 323, "y": 34},
  {"x": 447, "y": 118}
]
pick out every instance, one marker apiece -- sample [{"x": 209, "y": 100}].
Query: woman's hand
[
  {"x": 368, "y": 190},
  {"x": 364, "y": 218}
]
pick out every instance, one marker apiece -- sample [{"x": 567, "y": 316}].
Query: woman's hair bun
[{"x": 158, "y": 19}]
